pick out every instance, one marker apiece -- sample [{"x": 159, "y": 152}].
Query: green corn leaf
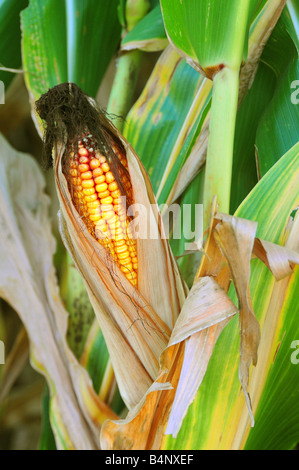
[
  {"x": 256, "y": 126},
  {"x": 148, "y": 35},
  {"x": 95, "y": 349},
  {"x": 95, "y": 359},
  {"x": 213, "y": 35},
  {"x": 219, "y": 408},
  {"x": 192, "y": 197},
  {"x": 279, "y": 128},
  {"x": 245, "y": 172},
  {"x": 68, "y": 40},
  {"x": 93, "y": 34},
  {"x": 154, "y": 123},
  {"x": 47, "y": 440},
  {"x": 209, "y": 32},
  {"x": 10, "y": 33}
]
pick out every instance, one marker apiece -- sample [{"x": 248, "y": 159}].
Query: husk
[{"x": 136, "y": 323}]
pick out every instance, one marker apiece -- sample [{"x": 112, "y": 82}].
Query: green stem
[
  {"x": 223, "y": 115},
  {"x": 124, "y": 85},
  {"x": 221, "y": 141}
]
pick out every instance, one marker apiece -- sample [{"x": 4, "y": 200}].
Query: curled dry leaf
[
  {"x": 236, "y": 240},
  {"x": 280, "y": 260}
]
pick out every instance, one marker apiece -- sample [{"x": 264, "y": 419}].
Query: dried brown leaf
[
  {"x": 28, "y": 283},
  {"x": 14, "y": 364},
  {"x": 279, "y": 259},
  {"x": 236, "y": 237}
]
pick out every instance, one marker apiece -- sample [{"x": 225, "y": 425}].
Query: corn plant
[{"x": 168, "y": 317}]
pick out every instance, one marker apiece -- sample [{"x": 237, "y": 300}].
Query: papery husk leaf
[
  {"x": 238, "y": 246},
  {"x": 213, "y": 266},
  {"x": 117, "y": 345},
  {"x": 144, "y": 426},
  {"x": 136, "y": 323},
  {"x": 206, "y": 305}
]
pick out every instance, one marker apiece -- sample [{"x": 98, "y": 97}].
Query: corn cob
[{"x": 96, "y": 195}]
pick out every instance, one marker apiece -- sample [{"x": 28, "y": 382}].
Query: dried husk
[{"x": 136, "y": 323}]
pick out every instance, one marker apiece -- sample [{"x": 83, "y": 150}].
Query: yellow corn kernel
[
  {"x": 109, "y": 177},
  {"x": 102, "y": 194},
  {"x": 99, "y": 180},
  {"x": 105, "y": 167},
  {"x": 89, "y": 191},
  {"x": 106, "y": 200},
  {"x": 94, "y": 217},
  {"x": 97, "y": 172},
  {"x": 93, "y": 204},
  {"x": 121, "y": 249},
  {"x": 124, "y": 255},
  {"x": 126, "y": 269},
  {"x": 87, "y": 175},
  {"x": 102, "y": 187},
  {"x": 91, "y": 198},
  {"x": 116, "y": 194},
  {"x": 96, "y": 194},
  {"x": 83, "y": 167},
  {"x": 87, "y": 183},
  {"x": 94, "y": 163}
]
